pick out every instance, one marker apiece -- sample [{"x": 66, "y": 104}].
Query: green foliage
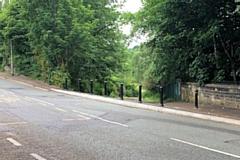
[
  {"x": 150, "y": 96},
  {"x": 77, "y": 39},
  {"x": 189, "y": 40},
  {"x": 131, "y": 90}
]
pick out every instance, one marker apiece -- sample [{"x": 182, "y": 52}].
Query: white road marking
[
  {"x": 14, "y": 123},
  {"x": 108, "y": 121},
  {"x": 70, "y": 120},
  {"x": 40, "y": 101},
  {"x": 7, "y": 99},
  {"x": 84, "y": 117},
  {"x": 28, "y": 99},
  {"x": 11, "y": 99},
  {"x": 206, "y": 148},
  {"x": 43, "y": 104},
  {"x": 59, "y": 109},
  {"x": 7, "y": 91},
  {"x": 77, "y": 119},
  {"x": 37, "y": 156},
  {"x": 14, "y": 142}
]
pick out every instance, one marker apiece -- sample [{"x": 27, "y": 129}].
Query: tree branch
[
  {"x": 225, "y": 49},
  {"x": 230, "y": 58},
  {"x": 214, "y": 45}
]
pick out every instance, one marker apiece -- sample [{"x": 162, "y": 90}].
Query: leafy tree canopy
[{"x": 191, "y": 40}]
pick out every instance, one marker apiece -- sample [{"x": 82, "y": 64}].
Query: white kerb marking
[
  {"x": 14, "y": 142},
  {"x": 108, "y": 121},
  {"x": 206, "y": 148},
  {"x": 40, "y": 101},
  {"x": 37, "y": 156}
]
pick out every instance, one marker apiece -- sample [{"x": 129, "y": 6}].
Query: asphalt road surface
[{"x": 36, "y": 124}]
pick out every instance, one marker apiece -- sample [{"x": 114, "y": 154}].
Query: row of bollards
[{"x": 121, "y": 91}]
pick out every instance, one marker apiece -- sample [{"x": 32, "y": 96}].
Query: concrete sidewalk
[{"x": 206, "y": 112}]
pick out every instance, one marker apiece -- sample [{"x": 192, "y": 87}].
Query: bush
[
  {"x": 150, "y": 95},
  {"x": 132, "y": 90}
]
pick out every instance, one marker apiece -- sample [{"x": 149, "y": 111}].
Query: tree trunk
[{"x": 229, "y": 55}]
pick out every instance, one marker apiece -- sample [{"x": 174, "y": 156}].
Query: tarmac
[{"x": 215, "y": 113}]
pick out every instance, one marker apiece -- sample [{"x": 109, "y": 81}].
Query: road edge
[{"x": 149, "y": 107}]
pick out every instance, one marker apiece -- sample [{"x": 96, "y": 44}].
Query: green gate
[{"x": 173, "y": 90}]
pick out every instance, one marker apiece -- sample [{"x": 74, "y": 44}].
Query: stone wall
[{"x": 215, "y": 94}]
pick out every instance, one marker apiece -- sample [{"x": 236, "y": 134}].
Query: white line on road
[
  {"x": 13, "y": 123},
  {"x": 84, "y": 117},
  {"x": 14, "y": 142},
  {"x": 206, "y": 148},
  {"x": 77, "y": 119},
  {"x": 40, "y": 101},
  {"x": 59, "y": 109},
  {"x": 70, "y": 119},
  {"x": 37, "y": 156},
  {"x": 7, "y": 91},
  {"x": 43, "y": 104},
  {"x": 108, "y": 121},
  {"x": 27, "y": 99}
]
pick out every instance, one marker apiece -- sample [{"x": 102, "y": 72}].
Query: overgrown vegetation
[
  {"x": 56, "y": 39},
  {"x": 189, "y": 40}
]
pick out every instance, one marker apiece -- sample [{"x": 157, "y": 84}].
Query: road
[{"x": 45, "y": 125}]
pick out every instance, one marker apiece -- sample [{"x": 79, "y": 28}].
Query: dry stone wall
[{"x": 212, "y": 94}]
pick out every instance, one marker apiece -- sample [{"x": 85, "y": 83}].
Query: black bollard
[
  {"x": 140, "y": 94},
  {"x": 196, "y": 98},
  {"x": 105, "y": 88},
  {"x": 161, "y": 96},
  {"x": 121, "y": 91},
  {"x": 91, "y": 86},
  {"x": 66, "y": 85},
  {"x": 79, "y": 85}
]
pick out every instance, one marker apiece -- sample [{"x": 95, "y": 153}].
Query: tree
[
  {"x": 77, "y": 39},
  {"x": 192, "y": 39}
]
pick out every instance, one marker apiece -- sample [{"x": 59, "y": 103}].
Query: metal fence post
[
  {"x": 161, "y": 95},
  {"x": 140, "y": 94},
  {"x": 121, "y": 91},
  {"x": 196, "y": 98},
  {"x": 105, "y": 88}
]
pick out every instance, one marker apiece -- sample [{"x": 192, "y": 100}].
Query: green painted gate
[{"x": 173, "y": 90}]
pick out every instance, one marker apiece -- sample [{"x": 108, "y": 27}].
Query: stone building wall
[{"x": 225, "y": 95}]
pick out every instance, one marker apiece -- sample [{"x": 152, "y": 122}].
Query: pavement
[{"x": 215, "y": 113}]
